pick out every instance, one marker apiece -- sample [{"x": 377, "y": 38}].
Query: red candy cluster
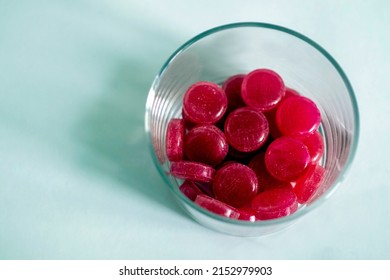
[{"x": 249, "y": 149}]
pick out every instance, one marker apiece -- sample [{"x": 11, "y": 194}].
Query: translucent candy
[
  {"x": 287, "y": 158},
  {"x": 246, "y": 129},
  {"x": 217, "y": 206},
  {"x": 235, "y": 184},
  {"x": 274, "y": 203},
  {"x": 194, "y": 171},
  {"x": 262, "y": 89},
  {"x": 204, "y": 103},
  {"x": 309, "y": 183},
  {"x": 175, "y": 139},
  {"x": 314, "y": 143},
  {"x": 190, "y": 190},
  {"x": 297, "y": 115},
  {"x": 247, "y": 214},
  {"x": 206, "y": 144}
]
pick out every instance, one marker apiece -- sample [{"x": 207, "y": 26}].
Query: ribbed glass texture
[{"x": 240, "y": 48}]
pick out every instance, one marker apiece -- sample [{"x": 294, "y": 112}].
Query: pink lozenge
[
  {"x": 306, "y": 186},
  {"x": 204, "y": 103},
  {"x": 175, "y": 139},
  {"x": 235, "y": 184},
  {"x": 287, "y": 158},
  {"x": 190, "y": 189},
  {"x": 194, "y": 171},
  {"x": 246, "y": 129},
  {"x": 315, "y": 143},
  {"x": 274, "y": 203},
  {"x": 206, "y": 144},
  {"x": 247, "y": 214},
  {"x": 262, "y": 89},
  {"x": 297, "y": 115},
  {"x": 216, "y": 206}
]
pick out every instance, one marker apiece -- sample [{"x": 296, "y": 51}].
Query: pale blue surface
[{"x": 76, "y": 177}]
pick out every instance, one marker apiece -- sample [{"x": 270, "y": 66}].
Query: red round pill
[
  {"x": 246, "y": 129},
  {"x": 297, "y": 115},
  {"x": 315, "y": 143},
  {"x": 206, "y": 144},
  {"x": 175, "y": 139},
  {"x": 262, "y": 89},
  {"x": 274, "y": 203},
  {"x": 307, "y": 185},
  {"x": 287, "y": 158},
  {"x": 247, "y": 214},
  {"x": 193, "y": 171},
  {"x": 235, "y": 184},
  {"x": 190, "y": 189},
  {"x": 204, "y": 103},
  {"x": 216, "y": 206}
]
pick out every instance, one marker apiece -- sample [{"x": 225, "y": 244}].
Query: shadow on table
[{"x": 112, "y": 133}]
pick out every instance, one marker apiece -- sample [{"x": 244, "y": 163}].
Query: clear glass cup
[{"x": 221, "y": 52}]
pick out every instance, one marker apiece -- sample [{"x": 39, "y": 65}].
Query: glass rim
[{"x": 307, "y": 208}]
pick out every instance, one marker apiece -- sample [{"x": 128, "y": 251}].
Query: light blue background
[{"x": 76, "y": 177}]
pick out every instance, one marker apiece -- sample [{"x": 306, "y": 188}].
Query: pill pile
[{"x": 248, "y": 149}]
